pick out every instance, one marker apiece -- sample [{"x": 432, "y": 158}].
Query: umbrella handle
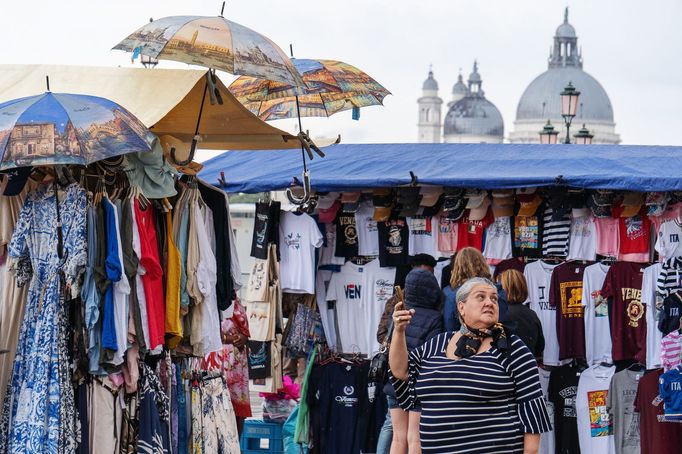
[
  {"x": 192, "y": 150},
  {"x": 307, "y": 192}
]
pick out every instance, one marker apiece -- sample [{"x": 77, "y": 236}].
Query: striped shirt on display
[
  {"x": 555, "y": 235},
  {"x": 671, "y": 349}
]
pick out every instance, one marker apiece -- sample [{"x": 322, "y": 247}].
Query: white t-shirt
[
  {"x": 547, "y": 438},
  {"x": 368, "y": 233},
  {"x": 326, "y": 315},
  {"x": 328, "y": 251},
  {"x": 538, "y": 276},
  {"x": 423, "y": 237},
  {"x": 582, "y": 244},
  {"x": 668, "y": 242},
  {"x": 498, "y": 240},
  {"x": 653, "y": 334},
  {"x": 299, "y": 236},
  {"x": 360, "y": 292},
  {"x": 595, "y": 427},
  {"x": 597, "y": 327}
]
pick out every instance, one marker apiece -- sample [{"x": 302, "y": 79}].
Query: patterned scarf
[{"x": 471, "y": 339}]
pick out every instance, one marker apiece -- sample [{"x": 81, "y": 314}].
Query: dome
[
  {"x": 541, "y": 100},
  {"x": 430, "y": 83},
  {"x": 565, "y": 30},
  {"x": 459, "y": 88},
  {"x": 474, "y": 115}
]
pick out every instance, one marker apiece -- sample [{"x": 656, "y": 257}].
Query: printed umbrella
[
  {"x": 63, "y": 129},
  {"x": 212, "y": 42},
  {"x": 331, "y": 87}
]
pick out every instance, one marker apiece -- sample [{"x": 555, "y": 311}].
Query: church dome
[
  {"x": 430, "y": 83},
  {"x": 541, "y": 100},
  {"x": 473, "y": 115},
  {"x": 459, "y": 88},
  {"x": 566, "y": 30}
]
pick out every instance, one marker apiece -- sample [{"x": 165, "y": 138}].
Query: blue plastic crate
[{"x": 255, "y": 433}]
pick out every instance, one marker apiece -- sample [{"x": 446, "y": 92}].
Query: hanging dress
[{"x": 41, "y": 416}]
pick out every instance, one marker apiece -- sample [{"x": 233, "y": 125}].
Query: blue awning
[{"x": 484, "y": 166}]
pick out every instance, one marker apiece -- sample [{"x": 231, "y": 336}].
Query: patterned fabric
[
  {"x": 197, "y": 432},
  {"x": 219, "y": 426},
  {"x": 40, "y": 414},
  {"x": 154, "y": 415},
  {"x": 471, "y": 339}
]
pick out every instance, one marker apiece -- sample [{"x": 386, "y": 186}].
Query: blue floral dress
[{"x": 40, "y": 416}]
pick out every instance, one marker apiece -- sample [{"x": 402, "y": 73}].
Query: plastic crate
[{"x": 255, "y": 432}]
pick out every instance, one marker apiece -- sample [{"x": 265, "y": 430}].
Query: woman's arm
[
  {"x": 531, "y": 443},
  {"x": 397, "y": 353}
]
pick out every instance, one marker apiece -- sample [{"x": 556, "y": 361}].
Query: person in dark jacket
[
  {"x": 524, "y": 322},
  {"x": 423, "y": 295}
]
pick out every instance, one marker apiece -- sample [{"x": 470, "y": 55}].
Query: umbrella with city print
[
  {"x": 330, "y": 87},
  {"x": 64, "y": 129}
]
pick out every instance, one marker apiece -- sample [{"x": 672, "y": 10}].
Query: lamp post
[
  {"x": 583, "y": 137},
  {"x": 548, "y": 136},
  {"x": 569, "y": 106}
]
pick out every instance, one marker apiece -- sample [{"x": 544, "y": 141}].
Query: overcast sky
[{"x": 632, "y": 47}]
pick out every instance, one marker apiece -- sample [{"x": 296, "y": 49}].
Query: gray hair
[{"x": 465, "y": 289}]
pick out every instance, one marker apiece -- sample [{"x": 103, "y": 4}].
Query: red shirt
[
  {"x": 470, "y": 233},
  {"x": 566, "y": 295},
  {"x": 633, "y": 233},
  {"x": 655, "y": 436},
  {"x": 623, "y": 285}
]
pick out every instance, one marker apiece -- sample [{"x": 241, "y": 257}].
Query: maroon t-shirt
[
  {"x": 566, "y": 295},
  {"x": 623, "y": 287},
  {"x": 655, "y": 436},
  {"x": 515, "y": 263}
]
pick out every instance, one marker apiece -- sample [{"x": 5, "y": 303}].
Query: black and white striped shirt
[
  {"x": 555, "y": 234},
  {"x": 670, "y": 279},
  {"x": 478, "y": 405}
]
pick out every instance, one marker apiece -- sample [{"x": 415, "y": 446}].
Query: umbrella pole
[
  {"x": 193, "y": 147},
  {"x": 60, "y": 241}
]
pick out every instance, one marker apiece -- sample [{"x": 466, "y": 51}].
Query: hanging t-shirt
[
  {"x": 597, "y": 327},
  {"x": 538, "y": 277},
  {"x": 633, "y": 234},
  {"x": 671, "y": 347},
  {"x": 346, "y": 235},
  {"x": 668, "y": 242},
  {"x": 607, "y": 236},
  {"x": 583, "y": 241},
  {"x": 515, "y": 263},
  {"x": 623, "y": 287},
  {"x": 546, "y": 438},
  {"x": 299, "y": 237},
  {"x": 653, "y": 335},
  {"x": 528, "y": 236},
  {"x": 566, "y": 294},
  {"x": 368, "y": 235},
  {"x": 670, "y": 390},
  {"x": 423, "y": 237},
  {"x": 595, "y": 427},
  {"x": 563, "y": 387},
  {"x": 360, "y": 292},
  {"x": 470, "y": 233},
  {"x": 555, "y": 234},
  {"x": 670, "y": 316},
  {"x": 328, "y": 251},
  {"x": 393, "y": 242},
  {"x": 656, "y": 436},
  {"x": 447, "y": 234},
  {"x": 621, "y": 406},
  {"x": 498, "y": 240},
  {"x": 263, "y": 226}
]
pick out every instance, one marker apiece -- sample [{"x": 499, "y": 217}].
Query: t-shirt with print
[
  {"x": 470, "y": 233},
  {"x": 608, "y": 241},
  {"x": 528, "y": 235},
  {"x": 623, "y": 287},
  {"x": 547, "y": 438},
  {"x": 498, "y": 240},
  {"x": 447, "y": 235},
  {"x": 656, "y": 436},
  {"x": 653, "y": 334},
  {"x": 633, "y": 234},
  {"x": 621, "y": 407},
  {"x": 360, "y": 292},
  {"x": 597, "y": 327},
  {"x": 299, "y": 237},
  {"x": 668, "y": 242},
  {"x": 263, "y": 226},
  {"x": 346, "y": 235},
  {"x": 566, "y": 294},
  {"x": 563, "y": 387},
  {"x": 555, "y": 234},
  {"x": 368, "y": 234},
  {"x": 595, "y": 426},
  {"x": 393, "y": 242},
  {"x": 328, "y": 252},
  {"x": 423, "y": 237},
  {"x": 538, "y": 277},
  {"x": 583, "y": 241}
]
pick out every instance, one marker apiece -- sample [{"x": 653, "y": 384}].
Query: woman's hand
[{"x": 401, "y": 317}]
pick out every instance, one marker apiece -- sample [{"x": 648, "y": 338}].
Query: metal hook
[{"x": 307, "y": 192}]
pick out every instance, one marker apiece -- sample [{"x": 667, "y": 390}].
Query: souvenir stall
[{"x": 595, "y": 230}]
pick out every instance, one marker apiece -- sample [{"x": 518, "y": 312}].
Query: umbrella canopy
[
  {"x": 331, "y": 87},
  {"x": 62, "y": 128},
  {"x": 212, "y": 42}
]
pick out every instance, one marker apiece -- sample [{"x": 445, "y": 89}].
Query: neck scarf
[{"x": 471, "y": 339}]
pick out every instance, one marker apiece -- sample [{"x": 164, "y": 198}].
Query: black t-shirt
[
  {"x": 670, "y": 316},
  {"x": 563, "y": 388},
  {"x": 527, "y": 235},
  {"x": 262, "y": 230},
  {"x": 346, "y": 235},
  {"x": 393, "y": 242}
]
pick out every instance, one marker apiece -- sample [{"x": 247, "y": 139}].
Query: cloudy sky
[{"x": 631, "y": 47}]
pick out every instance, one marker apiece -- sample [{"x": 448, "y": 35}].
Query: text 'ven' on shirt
[
  {"x": 566, "y": 294},
  {"x": 299, "y": 236},
  {"x": 538, "y": 277},
  {"x": 346, "y": 235}
]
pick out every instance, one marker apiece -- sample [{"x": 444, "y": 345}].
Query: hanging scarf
[{"x": 471, "y": 339}]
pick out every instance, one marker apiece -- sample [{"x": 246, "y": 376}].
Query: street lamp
[
  {"x": 583, "y": 137},
  {"x": 569, "y": 106},
  {"x": 548, "y": 136}
]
